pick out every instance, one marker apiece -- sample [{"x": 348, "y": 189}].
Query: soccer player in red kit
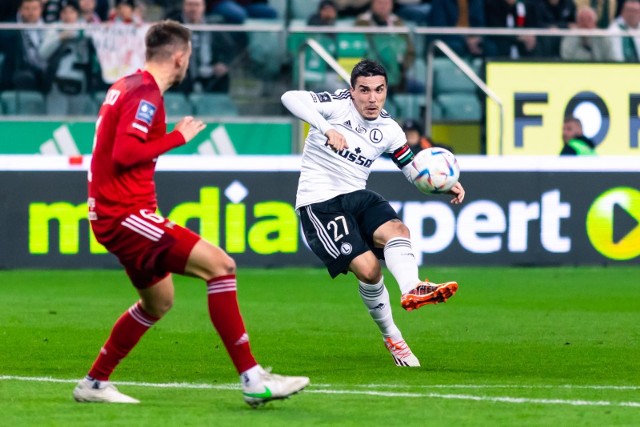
[{"x": 130, "y": 135}]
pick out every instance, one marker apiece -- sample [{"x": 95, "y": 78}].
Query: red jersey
[{"x": 130, "y": 134}]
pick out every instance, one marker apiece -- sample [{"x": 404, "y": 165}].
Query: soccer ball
[{"x": 434, "y": 170}]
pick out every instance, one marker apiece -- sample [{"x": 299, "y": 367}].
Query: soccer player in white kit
[{"x": 348, "y": 227}]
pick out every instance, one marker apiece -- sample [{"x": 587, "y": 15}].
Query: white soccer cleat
[
  {"x": 401, "y": 353},
  {"x": 100, "y": 392},
  {"x": 273, "y": 387}
]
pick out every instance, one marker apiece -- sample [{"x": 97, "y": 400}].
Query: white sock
[
  {"x": 376, "y": 299},
  {"x": 93, "y": 383},
  {"x": 251, "y": 377},
  {"x": 398, "y": 255}
]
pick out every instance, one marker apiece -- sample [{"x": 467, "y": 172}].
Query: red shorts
[{"x": 146, "y": 244}]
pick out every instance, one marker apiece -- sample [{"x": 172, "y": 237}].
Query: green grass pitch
[{"x": 515, "y": 346}]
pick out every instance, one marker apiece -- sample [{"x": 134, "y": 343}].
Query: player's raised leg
[
  {"x": 218, "y": 269},
  {"x": 401, "y": 261}
]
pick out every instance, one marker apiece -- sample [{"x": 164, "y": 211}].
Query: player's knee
[
  {"x": 399, "y": 229},
  {"x": 164, "y": 307},
  {"x": 227, "y": 265},
  {"x": 391, "y": 230},
  {"x": 158, "y": 307},
  {"x": 221, "y": 265},
  {"x": 370, "y": 274}
]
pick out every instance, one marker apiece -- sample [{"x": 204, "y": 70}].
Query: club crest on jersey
[
  {"x": 145, "y": 112},
  {"x": 375, "y": 136}
]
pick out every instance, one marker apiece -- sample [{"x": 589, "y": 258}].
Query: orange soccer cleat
[{"x": 428, "y": 293}]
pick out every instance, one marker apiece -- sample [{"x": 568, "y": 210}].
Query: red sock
[
  {"x": 226, "y": 318},
  {"x": 125, "y": 335}
]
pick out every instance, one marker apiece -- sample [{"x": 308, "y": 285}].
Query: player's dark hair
[
  {"x": 164, "y": 38},
  {"x": 367, "y": 68}
]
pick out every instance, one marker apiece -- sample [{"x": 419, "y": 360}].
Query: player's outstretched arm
[
  {"x": 189, "y": 127},
  {"x": 458, "y": 192},
  {"x": 130, "y": 150},
  {"x": 301, "y": 104}
]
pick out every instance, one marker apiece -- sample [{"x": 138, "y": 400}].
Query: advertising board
[
  {"x": 76, "y": 137},
  {"x": 537, "y": 96},
  {"x": 546, "y": 212}
]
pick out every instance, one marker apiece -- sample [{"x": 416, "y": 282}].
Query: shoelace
[
  {"x": 267, "y": 375},
  {"x": 424, "y": 289},
  {"x": 399, "y": 348}
]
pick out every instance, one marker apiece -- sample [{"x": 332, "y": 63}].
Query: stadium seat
[
  {"x": 419, "y": 70},
  {"x": 436, "y": 111},
  {"x": 454, "y": 92},
  {"x": 59, "y": 104},
  {"x": 90, "y": 107},
  {"x": 280, "y": 6},
  {"x": 177, "y": 104},
  {"x": 315, "y": 67},
  {"x": 447, "y": 78},
  {"x": 98, "y": 98},
  {"x": 266, "y": 48},
  {"x": 295, "y": 40},
  {"x": 460, "y": 106},
  {"x": 386, "y": 48},
  {"x": 351, "y": 48},
  {"x": 1, "y": 64},
  {"x": 213, "y": 104},
  {"x": 476, "y": 65},
  {"x": 23, "y": 103},
  {"x": 351, "y": 45},
  {"x": 303, "y": 9},
  {"x": 419, "y": 40},
  {"x": 408, "y": 106},
  {"x": 396, "y": 113}
]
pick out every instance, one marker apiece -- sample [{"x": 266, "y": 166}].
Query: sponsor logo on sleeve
[
  {"x": 140, "y": 127},
  {"x": 146, "y": 111},
  {"x": 324, "y": 97}
]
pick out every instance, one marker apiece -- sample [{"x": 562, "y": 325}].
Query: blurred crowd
[{"x": 64, "y": 63}]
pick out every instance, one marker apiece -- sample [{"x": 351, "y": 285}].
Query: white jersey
[{"x": 325, "y": 173}]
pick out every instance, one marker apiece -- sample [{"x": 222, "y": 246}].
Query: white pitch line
[
  {"x": 128, "y": 383},
  {"x": 494, "y": 399},
  {"x": 497, "y": 386},
  {"x": 391, "y": 386}
]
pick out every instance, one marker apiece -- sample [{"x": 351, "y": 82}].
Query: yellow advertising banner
[{"x": 537, "y": 96}]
